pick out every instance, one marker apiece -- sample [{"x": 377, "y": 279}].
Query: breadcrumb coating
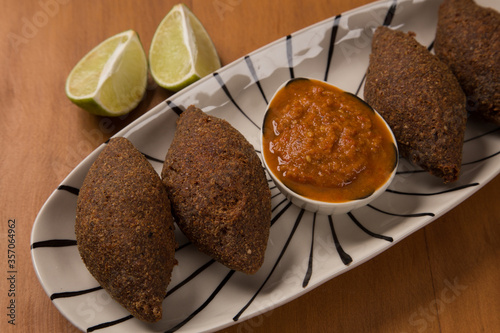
[
  {"x": 420, "y": 99},
  {"x": 125, "y": 231}
]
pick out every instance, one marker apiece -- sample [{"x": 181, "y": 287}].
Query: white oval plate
[{"x": 304, "y": 249}]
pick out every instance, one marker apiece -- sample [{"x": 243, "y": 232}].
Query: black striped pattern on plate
[{"x": 281, "y": 205}]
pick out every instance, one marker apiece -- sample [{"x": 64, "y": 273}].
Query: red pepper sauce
[{"x": 326, "y": 144}]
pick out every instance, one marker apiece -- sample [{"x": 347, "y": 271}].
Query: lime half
[
  {"x": 111, "y": 79},
  {"x": 181, "y": 50}
]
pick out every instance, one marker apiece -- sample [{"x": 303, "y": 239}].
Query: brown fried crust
[
  {"x": 421, "y": 101},
  {"x": 468, "y": 41},
  {"x": 125, "y": 231},
  {"x": 218, "y": 189}
]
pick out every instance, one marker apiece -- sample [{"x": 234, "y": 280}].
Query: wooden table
[{"x": 443, "y": 278}]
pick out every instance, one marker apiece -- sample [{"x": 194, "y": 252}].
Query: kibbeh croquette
[
  {"x": 468, "y": 41},
  {"x": 125, "y": 231},
  {"x": 219, "y": 193},
  {"x": 420, "y": 99}
]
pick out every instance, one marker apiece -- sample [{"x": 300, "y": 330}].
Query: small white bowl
[{"x": 323, "y": 207}]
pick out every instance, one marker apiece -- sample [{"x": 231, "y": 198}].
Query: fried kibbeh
[
  {"x": 125, "y": 230},
  {"x": 468, "y": 41},
  {"x": 420, "y": 99},
  {"x": 218, "y": 189}
]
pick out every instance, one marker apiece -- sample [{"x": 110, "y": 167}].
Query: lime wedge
[
  {"x": 181, "y": 50},
  {"x": 111, "y": 79}
]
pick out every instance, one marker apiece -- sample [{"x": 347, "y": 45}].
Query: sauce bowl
[{"x": 326, "y": 150}]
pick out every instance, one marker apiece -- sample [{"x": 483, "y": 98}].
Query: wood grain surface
[{"x": 443, "y": 278}]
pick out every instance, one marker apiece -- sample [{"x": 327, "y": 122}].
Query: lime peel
[
  {"x": 111, "y": 79},
  {"x": 181, "y": 50}
]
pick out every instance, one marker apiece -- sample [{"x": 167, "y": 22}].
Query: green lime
[
  {"x": 181, "y": 50},
  {"x": 111, "y": 79}
]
